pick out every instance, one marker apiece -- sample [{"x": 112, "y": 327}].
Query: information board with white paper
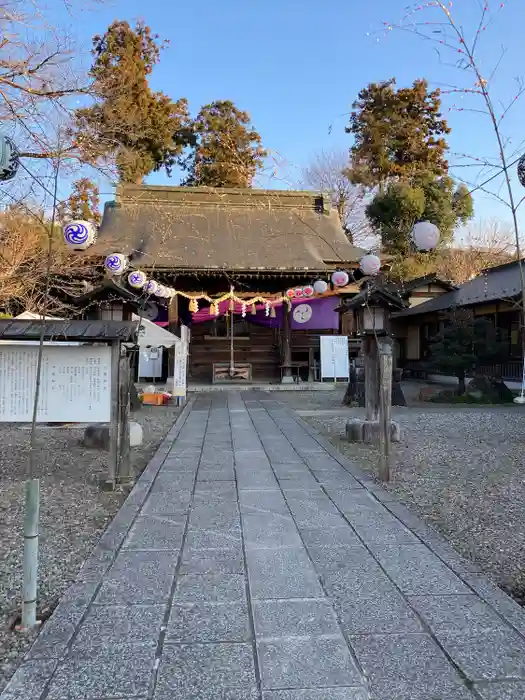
[
  {"x": 180, "y": 365},
  {"x": 75, "y": 384},
  {"x": 334, "y": 357}
]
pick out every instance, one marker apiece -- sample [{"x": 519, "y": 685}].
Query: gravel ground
[
  {"x": 459, "y": 468},
  {"x": 73, "y": 514}
]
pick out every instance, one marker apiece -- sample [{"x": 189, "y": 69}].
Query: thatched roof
[{"x": 186, "y": 228}]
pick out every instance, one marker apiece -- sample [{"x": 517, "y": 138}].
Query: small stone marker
[{"x": 97, "y": 436}]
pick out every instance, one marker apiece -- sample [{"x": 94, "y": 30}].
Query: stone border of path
[
  {"x": 467, "y": 570},
  {"x": 32, "y": 679}
]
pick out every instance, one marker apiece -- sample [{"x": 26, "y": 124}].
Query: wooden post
[
  {"x": 173, "y": 315},
  {"x": 385, "y": 404},
  {"x": 371, "y": 377},
  {"x": 287, "y": 377},
  {"x": 124, "y": 465},
  {"x": 114, "y": 452}
]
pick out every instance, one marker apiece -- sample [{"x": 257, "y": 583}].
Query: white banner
[
  {"x": 75, "y": 384},
  {"x": 334, "y": 357}
]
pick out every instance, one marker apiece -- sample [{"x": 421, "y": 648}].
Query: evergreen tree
[
  {"x": 131, "y": 125},
  {"x": 394, "y": 211},
  {"x": 397, "y": 134},
  {"x": 83, "y": 203},
  {"x": 465, "y": 343},
  {"x": 227, "y": 151}
]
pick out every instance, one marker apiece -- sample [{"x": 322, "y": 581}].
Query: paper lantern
[
  {"x": 9, "y": 159},
  {"x": 137, "y": 279},
  {"x": 79, "y": 235},
  {"x": 152, "y": 287},
  {"x": 163, "y": 292},
  {"x": 521, "y": 170},
  {"x": 320, "y": 286},
  {"x": 308, "y": 291},
  {"x": 370, "y": 265},
  {"x": 290, "y": 293},
  {"x": 116, "y": 263},
  {"x": 298, "y": 293},
  {"x": 425, "y": 236},
  {"x": 340, "y": 278}
]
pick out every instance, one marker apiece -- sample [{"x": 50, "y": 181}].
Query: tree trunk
[{"x": 462, "y": 387}]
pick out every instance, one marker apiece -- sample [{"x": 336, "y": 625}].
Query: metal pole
[{"x": 30, "y": 586}]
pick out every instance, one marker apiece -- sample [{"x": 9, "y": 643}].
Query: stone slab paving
[{"x": 253, "y": 562}]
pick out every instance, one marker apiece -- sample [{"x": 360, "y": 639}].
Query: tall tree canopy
[
  {"x": 82, "y": 203},
  {"x": 139, "y": 129},
  {"x": 399, "y": 151},
  {"x": 398, "y": 133},
  {"x": 394, "y": 211},
  {"x": 227, "y": 150}
]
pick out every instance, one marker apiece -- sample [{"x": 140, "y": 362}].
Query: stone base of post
[
  {"x": 368, "y": 431},
  {"x": 287, "y": 380}
]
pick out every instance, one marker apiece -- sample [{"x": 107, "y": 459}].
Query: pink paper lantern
[{"x": 340, "y": 278}]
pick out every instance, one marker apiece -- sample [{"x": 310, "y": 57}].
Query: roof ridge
[{"x": 230, "y": 197}]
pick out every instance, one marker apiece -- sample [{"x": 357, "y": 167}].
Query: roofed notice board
[{"x": 75, "y": 384}]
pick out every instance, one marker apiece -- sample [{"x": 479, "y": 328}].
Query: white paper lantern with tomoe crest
[
  {"x": 9, "y": 159},
  {"x": 370, "y": 265},
  {"x": 521, "y": 170},
  {"x": 163, "y": 292},
  {"x": 152, "y": 287},
  {"x": 79, "y": 235},
  {"x": 425, "y": 236},
  {"x": 137, "y": 279},
  {"x": 116, "y": 263}
]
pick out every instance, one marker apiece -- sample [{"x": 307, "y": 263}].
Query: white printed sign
[
  {"x": 334, "y": 357},
  {"x": 75, "y": 384},
  {"x": 179, "y": 371}
]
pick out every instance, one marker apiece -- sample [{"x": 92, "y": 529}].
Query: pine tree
[
  {"x": 397, "y": 134},
  {"x": 136, "y": 128},
  {"x": 465, "y": 343},
  {"x": 228, "y": 150}
]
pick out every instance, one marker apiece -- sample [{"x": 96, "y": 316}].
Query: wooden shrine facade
[{"x": 204, "y": 242}]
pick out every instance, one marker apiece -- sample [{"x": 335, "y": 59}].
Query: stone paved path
[{"x": 252, "y": 562}]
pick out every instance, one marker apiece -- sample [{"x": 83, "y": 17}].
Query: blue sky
[{"x": 297, "y": 65}]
